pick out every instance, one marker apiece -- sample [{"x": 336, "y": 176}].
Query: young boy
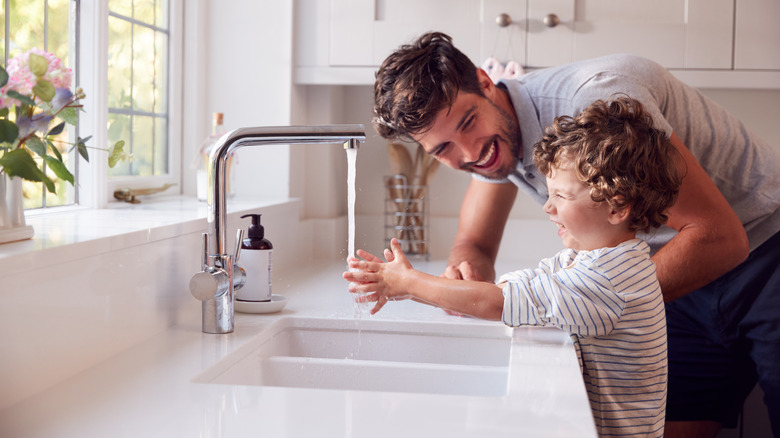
[{"x": 609, "y": 173}]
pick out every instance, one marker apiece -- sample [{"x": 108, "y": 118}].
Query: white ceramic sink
[{"x": 372, "y": 355}]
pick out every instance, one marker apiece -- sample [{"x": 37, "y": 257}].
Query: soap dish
[{"x": 276, "y": 304}]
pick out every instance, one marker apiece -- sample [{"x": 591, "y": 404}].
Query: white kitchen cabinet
[
  {"x": 707, "y": 43},
  {"x": 757, "y": 36},
  {"x": 363, "y": 33},
  {"x": 674, "y": 33}
]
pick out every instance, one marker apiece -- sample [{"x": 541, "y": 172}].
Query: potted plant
[{"x": 35, "y": 105}]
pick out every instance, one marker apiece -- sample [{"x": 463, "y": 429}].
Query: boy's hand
[{"x": 380, "y": 282}]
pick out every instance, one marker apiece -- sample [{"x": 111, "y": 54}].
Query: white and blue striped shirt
[{"x": 610, "y": 301}]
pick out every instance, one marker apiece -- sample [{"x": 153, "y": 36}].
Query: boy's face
[
  {"x": 582, "y": 223},
  {"x": 475, "y": 135}
]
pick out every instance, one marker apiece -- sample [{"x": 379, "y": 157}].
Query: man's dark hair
[{"x": 417, "y": 81}]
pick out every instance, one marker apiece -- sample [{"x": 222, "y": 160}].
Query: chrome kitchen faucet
[{"x": 220, "y": 275}]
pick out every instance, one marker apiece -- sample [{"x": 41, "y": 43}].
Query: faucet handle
[
  {"x": 211, "y": 281},
  {"x": 209, "y": 284},
  {"x": 239, "y": 274},
  {"x": 239, "y": 240},
  {"x": 204, "y": 260}
]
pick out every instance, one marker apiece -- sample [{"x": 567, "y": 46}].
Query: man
[{"x": 718, "y": 261}]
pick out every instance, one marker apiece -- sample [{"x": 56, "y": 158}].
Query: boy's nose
[{"x": 547, "y": 207}]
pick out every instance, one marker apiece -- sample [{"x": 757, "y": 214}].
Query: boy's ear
[{"x": 619, "y": 215}]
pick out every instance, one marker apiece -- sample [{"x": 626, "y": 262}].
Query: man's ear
[{"x": 485, "y": 82}]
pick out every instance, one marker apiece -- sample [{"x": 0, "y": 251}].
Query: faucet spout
[{"x": 218, "y": 307}]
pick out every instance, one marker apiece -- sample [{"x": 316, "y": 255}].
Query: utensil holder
[{"x": 406, "y": 215}]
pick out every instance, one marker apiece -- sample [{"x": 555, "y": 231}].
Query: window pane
[
  {"x": 139, "y": 100},
  {"x": 161, "y": 13},
  {"x": 26, "y": 27},
  {"x": 143, "y": 10},
  {"x": 143, "y": 145},
  {"x": 144, "y": 55},
  {"x": 120, "y": 59},
  {"x": 121, "y": 7},
  {"x": 58, "y": 30},
  {"x": 160, "y": 143},
  {"x": 161, "y": 73}
]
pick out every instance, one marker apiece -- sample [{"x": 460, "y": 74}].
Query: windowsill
[{"x": 77, "y": 233}]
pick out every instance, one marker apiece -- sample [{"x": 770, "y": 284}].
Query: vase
[
  {"x": 12, "y": 223},
  {"x": 406, "y": 216}
]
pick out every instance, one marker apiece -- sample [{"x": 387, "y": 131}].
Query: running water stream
[
  {"x": 360, "y": 308},
  {"x": 351, "y": 165}
]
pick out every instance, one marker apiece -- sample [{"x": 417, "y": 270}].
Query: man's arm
[
  {"x": 483, "y": 215},
  {"x": 711, "y": 239}
]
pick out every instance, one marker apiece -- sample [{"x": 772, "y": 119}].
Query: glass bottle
[{"x": 202, "y": 160}]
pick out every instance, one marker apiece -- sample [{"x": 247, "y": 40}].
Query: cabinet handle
[
  {"x": 551, "y": 20},
  {"x": 503, "y": 20}
]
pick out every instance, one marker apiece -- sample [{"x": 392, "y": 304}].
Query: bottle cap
[{"x": 256, "y": 231}]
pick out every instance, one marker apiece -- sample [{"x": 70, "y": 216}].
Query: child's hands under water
[{"x": 378, "y": 281}]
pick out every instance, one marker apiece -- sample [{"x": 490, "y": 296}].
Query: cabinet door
[
  {"x": 363, "y": 33},
  {"x": 757, "y": 35},
  {"x": 675, "y": 33}
]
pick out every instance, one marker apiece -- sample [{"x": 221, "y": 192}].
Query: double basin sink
[{"x": 372, "y": 355}]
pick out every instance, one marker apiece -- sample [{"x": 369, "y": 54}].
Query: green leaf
[
  {"x": 36, "y": 145},
  {"x": 54, "y": 149},
  {"x": 4, "y": 111},
  {"x": 117, "y": 153},
  {"x": 56, "y": 130},
  {"x": 19, "y": 163},
  {"x": 83, "y": 150},
  {"x": 3, "y": 77},
  {"x": 20, "y": 97},
  {"x": 45, "y": 90},
  {"x": 9, "y": 132},
  {"x": 59, "y": 169},
  {"x": 69, "y": 115},
  {"x": 38, "y": 65}
]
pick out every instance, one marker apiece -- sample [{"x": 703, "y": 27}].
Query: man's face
[{"x": 474, "y": 135}]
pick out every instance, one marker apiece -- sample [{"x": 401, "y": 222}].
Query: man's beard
[{"x": 510, "y": 134}]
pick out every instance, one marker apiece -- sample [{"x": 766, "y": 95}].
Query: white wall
[{"x": 238, "y": 61}]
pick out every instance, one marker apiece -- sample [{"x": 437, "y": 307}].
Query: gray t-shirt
[{"x": 743, "y": 166}]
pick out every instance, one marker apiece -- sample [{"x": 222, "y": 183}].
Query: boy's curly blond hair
[{"x": 617, "y": 152}]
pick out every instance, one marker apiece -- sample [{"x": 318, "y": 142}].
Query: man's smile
[{"x": 490, "y": 157}]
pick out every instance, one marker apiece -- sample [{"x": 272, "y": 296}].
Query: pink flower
[{"x": 22, "y": 80}]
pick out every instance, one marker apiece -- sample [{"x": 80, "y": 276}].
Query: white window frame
[{"x": 95, "y": 187}]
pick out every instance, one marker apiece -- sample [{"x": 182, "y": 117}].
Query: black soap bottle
[{"x": 256, "y": 252}]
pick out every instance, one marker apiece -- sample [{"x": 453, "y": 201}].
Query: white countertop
[{"x": 147, "y": 390}]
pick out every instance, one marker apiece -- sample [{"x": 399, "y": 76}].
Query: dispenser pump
[
  {"x": 255, "y": 235},
  {"x": 256, "y": 231}
]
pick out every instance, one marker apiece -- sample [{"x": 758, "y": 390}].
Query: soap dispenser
[{"x": 256, "y": 253}]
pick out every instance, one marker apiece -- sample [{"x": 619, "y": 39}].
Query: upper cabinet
[
  {"x": 675, "y": 33},
  {"x": 708, "y": 43}
]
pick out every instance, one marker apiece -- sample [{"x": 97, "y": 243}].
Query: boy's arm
[
  {"x": 483, "y": 215},
  {"x": 579, "y": 301},
  {"x": 474, "y": 298}
]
